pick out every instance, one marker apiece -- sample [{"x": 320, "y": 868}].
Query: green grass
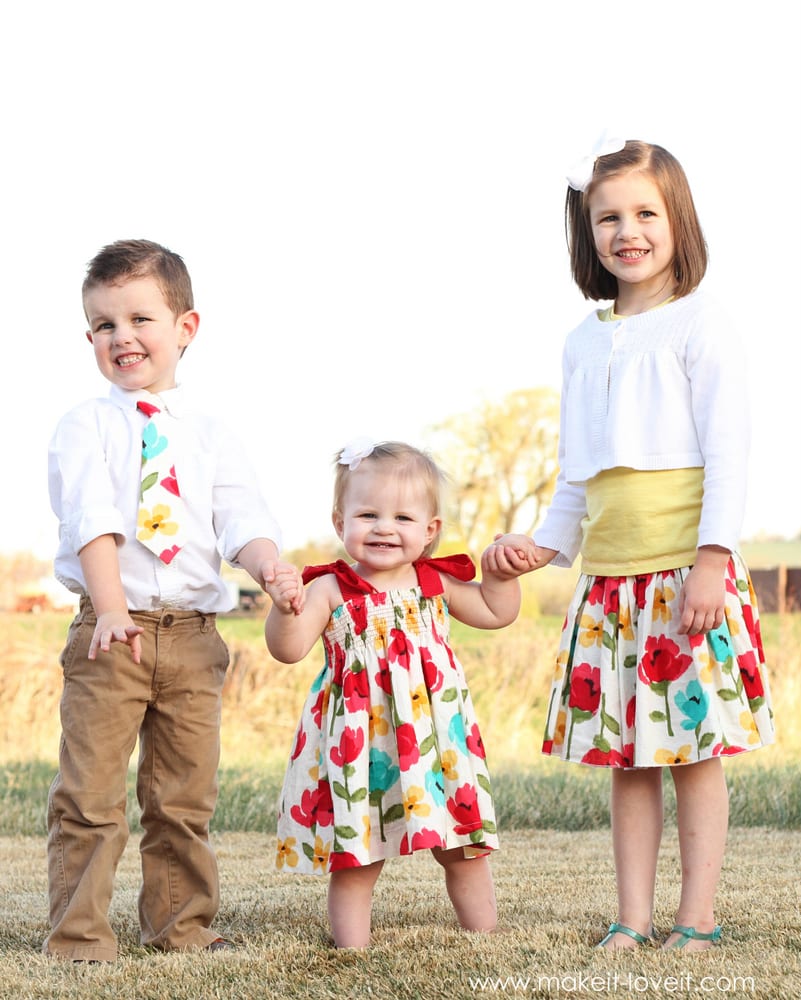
[{"x": 553, "y": 797}]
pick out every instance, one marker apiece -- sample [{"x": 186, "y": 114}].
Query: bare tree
[{"x": 502, "y": 459}]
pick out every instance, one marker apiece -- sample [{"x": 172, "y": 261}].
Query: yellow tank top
[{"x": 641, "y": 521}]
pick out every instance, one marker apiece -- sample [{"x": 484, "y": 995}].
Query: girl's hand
[
  {"x": 512, "y": 555},
  {"x": 702, "y": 599},
  {"x": 116, "y": 626},
  {"x": 284, "y": 584}
]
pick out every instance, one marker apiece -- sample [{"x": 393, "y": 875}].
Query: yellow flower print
[
  {"x": 380, "y": 637},
  {"x": 448, "y": 761},
  {"x": 561, "y": 663},
  {"x": 661, "y": 604},
  {"x": 705, "y": 673},
  {"x": 376, "y": 721},
  {"x": 420, "y": 703},
  {"x": 286, "y": 853},
  {"x": 734, "y": 625},
  {"x": 439, "y": 611},
  {"x": 367, "y": 831},
  {"x": 413, "y": 804},
  {"x": 411, "y": 617},
  {"x": 624, "y": 624},
  {"x": 559, "y": 729},
  {"x": 681, "y": 756},
  {"x": 592, "y": 632},
  {"x": 321, "y": 852},
  {"x": 749, "y": 727},
  {"x": 156, "y": 520}
]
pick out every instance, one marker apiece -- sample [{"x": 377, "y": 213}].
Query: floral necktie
[{"x": 160, "y": 512}]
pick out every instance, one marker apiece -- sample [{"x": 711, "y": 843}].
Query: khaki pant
[{"x": 172, "y": 702}]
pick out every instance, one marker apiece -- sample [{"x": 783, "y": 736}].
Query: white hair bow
[
  {"x": 580, "y": 175},
  {"x": 354, "y": 451}
]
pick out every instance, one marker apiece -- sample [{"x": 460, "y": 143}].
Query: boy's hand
[
  {"x": 116, "y": 626},
  {"x": 284, "y": 584},
  {"x": 512, "y": 555}
]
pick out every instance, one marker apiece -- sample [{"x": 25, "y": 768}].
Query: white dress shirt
[
  {"x": 95, "y": 472},
  {"x": 665, "y": 389}
]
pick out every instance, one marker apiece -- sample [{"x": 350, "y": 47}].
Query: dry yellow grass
[{"x": 555, "y": 892}]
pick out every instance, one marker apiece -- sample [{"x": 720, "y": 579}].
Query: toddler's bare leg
[
  {"x": 470, "y": 889},
  {"x": 350, "y": 900}
]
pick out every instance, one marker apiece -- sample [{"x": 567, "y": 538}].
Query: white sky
[{"x": 369, "y": 197}]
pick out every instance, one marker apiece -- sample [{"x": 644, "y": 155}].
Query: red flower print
[
  {"x": 611, "y": 757},
  {"x": 170, "y": 483},
  {"x": 611, "y": 597},
  {"x": 383, "y": 678},
  {"x": 696, "y": 640},
  {"x": 408, "y": 751},
  {"x": 337, "y": 860},
  {"x": 749, "y": 671},
  {"x": 303, "y": 813},
  {"x": 752, "y": 627},
  {"x": 169, "y": 554},
  {"x": 596, "y": 594},
  {"x": 474, "y": 742},
  {"x": 338, "y": 664},
  {"x": 431, "y": 673},
  {"x": 631, "y": 708},
  {"x": 358, "y": 613},
  {"x": 547, "y": 746},
  {"x": 585, "y": 688},
  {"x": 355, "y": 689},
  {"x": 400, "y": 648},
  {"x": 662, "y": 661},
  {"x": 640, "y": 587},
  {"x": 324, "y": 807},
  {"x": 351, "y": 744},
  {"x": 317, "y": 708},
  {"x": 426, "y": 839},
  {"x": 463, "y": 806},
  {"x": 719, "y": 750},
  {"x": 300, "y": 743}
]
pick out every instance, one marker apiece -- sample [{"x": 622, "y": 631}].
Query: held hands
[
  {"x": 116, "y": 626},
  {"x": 703, "y": 596},
  {"x": 283, "y": 582},
  {"x": 511, "y": 555}
]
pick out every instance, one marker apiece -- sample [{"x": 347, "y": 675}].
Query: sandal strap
[
  {"x": 622, "y": 929},
  {"x": 691, "y": 932}
]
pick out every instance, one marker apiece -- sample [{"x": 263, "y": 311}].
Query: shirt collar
[{"x": 170, "y": 400}]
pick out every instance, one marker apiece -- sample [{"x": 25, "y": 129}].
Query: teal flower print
[
  {"x": 153, "y": 443},
  {"x": 456, "y": 732},
  {"x": 383, "y": 773},
  {"x": 435, "y": 786},
  {"x": 693, "y": 703}
]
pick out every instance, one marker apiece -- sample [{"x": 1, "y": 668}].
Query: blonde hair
[
  {"x": 406, "y": 462},
  {"x": 690, "y": 259}
]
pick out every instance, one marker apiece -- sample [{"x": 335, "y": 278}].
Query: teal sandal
[
  {"x": 622, "y": 929},
  {"x": 690, "y": 933}
]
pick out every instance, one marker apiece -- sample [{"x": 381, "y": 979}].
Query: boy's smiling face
[{"x": 138, "y": 340}]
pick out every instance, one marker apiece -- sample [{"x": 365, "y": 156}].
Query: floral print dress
[
  {"x": 629, "y": 691},
  {"x": 388, "y": 757}
]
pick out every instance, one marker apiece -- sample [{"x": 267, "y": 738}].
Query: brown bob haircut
[
  {"x": 127, "y": 260},
  {"x": 667, "y": 173}
]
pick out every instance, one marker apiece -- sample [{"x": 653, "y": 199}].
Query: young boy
[{"x": 143, "y": 657}]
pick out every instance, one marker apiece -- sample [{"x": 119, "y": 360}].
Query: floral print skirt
[{"x": 629, "y": 691}]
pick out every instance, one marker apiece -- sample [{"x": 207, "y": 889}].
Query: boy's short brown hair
[{"x": 128, "y": 259}]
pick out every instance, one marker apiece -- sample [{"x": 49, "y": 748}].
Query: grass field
[{"x": 554, "y": 871}]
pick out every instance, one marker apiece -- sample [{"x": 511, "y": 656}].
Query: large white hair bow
[
  {"x": 354, "y": 451},
  {"x": 580, "y": 175}
]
